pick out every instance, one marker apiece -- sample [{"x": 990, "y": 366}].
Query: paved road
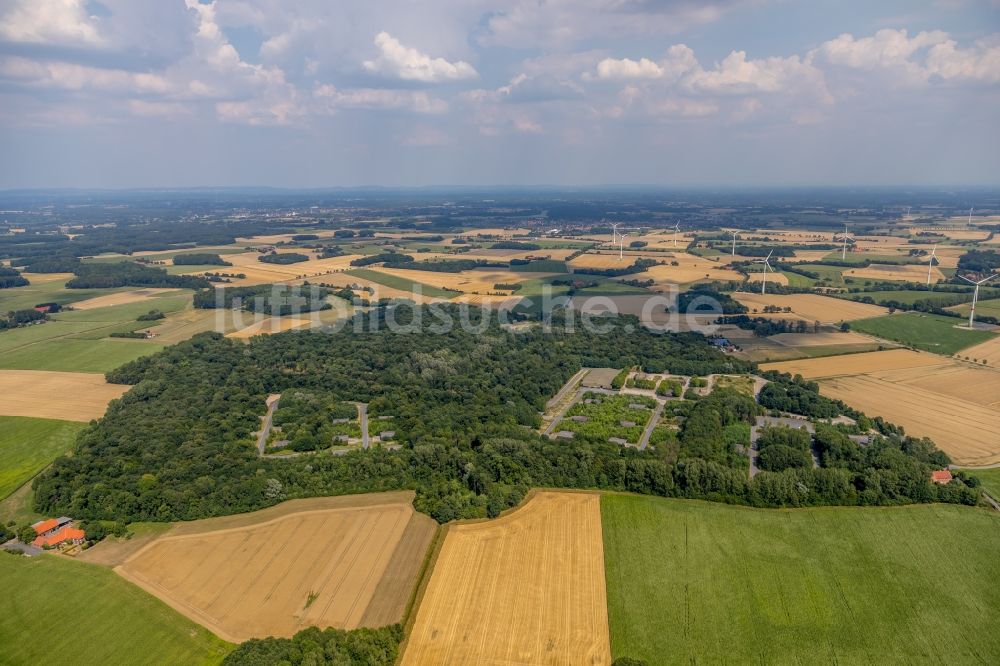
[
  {"x": 653, "y": 420},
  {"x": 567, "y": 387},
  {"x": 363, "y": 417},
  {"x": 266, "y": 429}
]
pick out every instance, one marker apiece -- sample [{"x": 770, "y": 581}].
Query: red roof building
[
  {"x": 66, "y": 534},
  {"x": 43, "y": 526},
  {"x": 941, "y": 476}
]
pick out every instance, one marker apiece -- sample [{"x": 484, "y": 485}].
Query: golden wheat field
[
  {"x": 70, "y": 396},
  {"x": 258, "y": 272},
  {"x": 788, "y": 236},
  {"x": 903, "y": 273},
  {"x": 121, "y": 298},
  {"x": 988, "y": 351},
  {"x": 955, "y": 403},
  {"x": 822, "y": 339},
  {"x": 481, "y": 280},
  {"x": 338, "y": 562},
  {"x": 690, "y": 268},
  {"x": 269, "y": 326},
  {"x": 772, "y": 278},
  {"x": 811, "y": 307},
  {"x": 853, "y": 364},
  {"x": 526, "y": 588}
]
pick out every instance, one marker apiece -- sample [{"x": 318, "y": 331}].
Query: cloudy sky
[{"x": 313, "y": 93}]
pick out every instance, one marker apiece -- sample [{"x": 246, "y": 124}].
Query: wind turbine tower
[
  {"x": 734, "y": 242},
  {"x": 975, "y": 295},
  {"x": 767, "y": 265},
  {"x": 614, "y": 234},
  {"x": 930, "y": 264},
  {"x": 847, "y": 237},
  {"x": 970, "y": 217},
  {"x": 677, "y": 228}
]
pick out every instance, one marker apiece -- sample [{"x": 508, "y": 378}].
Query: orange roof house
[
  {"x": 43, "y": 526},
  {"x": 71, "y": 534},
  {"x": 941, "y": 476}
]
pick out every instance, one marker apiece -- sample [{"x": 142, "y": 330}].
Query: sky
[{"x": 313, "y": 93}]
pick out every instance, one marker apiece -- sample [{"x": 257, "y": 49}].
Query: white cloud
[
  {"x": 626, "y": 68},
  {"x": 979, "y": 64},
  {"x": 71, "y": 76},
  {"x": 379, "y": 98},
  {"x": 736, "y": 74},
  {"x": 408, "y": 64},
  {"x": 64, "y": 22}
]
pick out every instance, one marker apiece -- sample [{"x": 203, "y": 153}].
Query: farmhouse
[
  {"x": 941, "y": 476},
  {"x": 56, "y": 531}
]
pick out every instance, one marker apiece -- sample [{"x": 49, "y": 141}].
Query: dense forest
[
  {"x": 265, "y": 299},
  {"x": 10, "y": 277},
  {"x": 200, "y": 259},
  {"x": 129, "y": 274},
  {"x": 322, "y": 647},
  {"x": 464, "y": 406}
]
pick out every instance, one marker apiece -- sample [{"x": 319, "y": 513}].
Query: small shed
[{"x": 941, "y": 476}]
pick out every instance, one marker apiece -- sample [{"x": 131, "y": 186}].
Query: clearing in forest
[
  {"x": 526, "y": 588},
  {"x": 342, "y": 562}
]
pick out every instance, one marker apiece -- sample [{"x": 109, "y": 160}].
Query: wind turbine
[
  {"x": 975, "y": 294},
  {"x": 621, "y": 247},
  {"x": 930, "y": 264},
  {"x": 734, "y": 241},
  {"x": 677, "y": 228},
  {"x": 767, "y": 265},
  {"x": 847, "y": 237},
  {"x": 970, "y": 217},
  {"x": 614, "y": 234}
]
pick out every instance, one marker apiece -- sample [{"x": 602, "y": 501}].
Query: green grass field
[
  {"x": 832, "y": 274},
  {"x": 541, "y": 266},
  {"x": 78, "y": 341},
  {"x": 796, "y": 280},
  {"x": 22, "y": 298},
  {"x": 928, "y": 332},
  {"x": 694, "y": 582},
  {"x": 60, "y": 611},
  {"x": 27, "y": 445},
  {"x": 990, "y": 479},
  {"x": 396, "y": 282},
  {"x": 986, "y": 308}
]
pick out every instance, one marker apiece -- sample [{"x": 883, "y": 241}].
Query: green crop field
[
  {"x": 990, "y": 479},
  {"x": 832, "y": 274},
  {"x": 694, "y": 582},
  {"x": 541, "y": 266},
  {"x": 403, "y": 284},
  {"x": 928, "y": 332},
  {"x": 22, "y": 298},
  {"x": 796, "y": 280},
  {"x": 985, "y": 308},
  {"x": 60, "y": 611},
  {"x": 27, "y": 445},
  {"x": 78, "y": 341}
]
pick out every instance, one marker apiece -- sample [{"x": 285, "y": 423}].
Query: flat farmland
[
  {"x": 403, "y": 284},
  {"x": 820, "y": 339},
  {"x": 320, "y": 562},
  {"x": 259, "y": 272},
  {"x": 903, "y": 273},
  {"x": 934, "y": 333},
  {"x": 689, "y": 269},
  {"x": 811, "y": 307},
  {"x": 526, "y": 588},
  {"x": 122, "y": 298},
  {"x": 704, "y": 583},
  {"x": 84, "y": 610},
  {"x": 855, "y": 364},
  {"x": 67, "y": 396},
  {"x": 473, "y": 281},
  {"x": 990, "y": 308},
  {"x": 269, "y": 326},
  {"x": 776, "y": 278},
  {"x": 988, "y": 351},
  {"x": 600, "y": 261},
  {"x": 956, "y": 404},
  {"x": 27, "y": 445}
]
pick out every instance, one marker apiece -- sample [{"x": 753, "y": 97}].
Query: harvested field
[
  {"x": 904, "y": 273},
  {"x": 820, "y": 339},
  {"x": 600, "y": 261},
  {"x": 854, "y": 364},
  {"x": 68, "y": 396},
  {"x": 954, "y": 403},
  {"x": 507, "y": 255},
  {"x": 965, "y": 431},
  {"x": 811, "y": 307},
  {"x": 270, "y": 326},
  {"x": 778, "y": 278},
  {"x": 258, "y": 272},
  {"x": 382, "y": 291},
  {"x": 320, "y": 562},
  {"x": 810, "y": 255},
  {"x": 526, "y": 588},
  {"x": 121, "y": 298},
  {"x": 689, "y": 269},
  {"x": 479, "y": 280},
  {"x": 988, "y": 351}
]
